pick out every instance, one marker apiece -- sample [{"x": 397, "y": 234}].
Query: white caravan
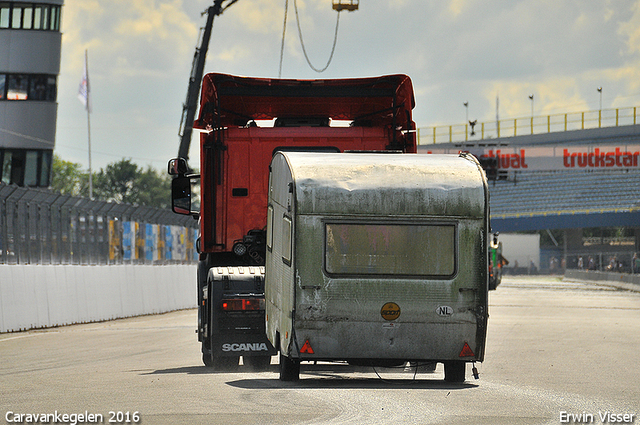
[{"x": 377, "y": 258}]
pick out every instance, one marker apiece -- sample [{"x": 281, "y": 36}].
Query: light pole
[
  {"x": 531, "y": 97},
  {"x": 600, "y": 91},
  {"x": 466, "y": 106},
  {"x": 600, "y": 110}
]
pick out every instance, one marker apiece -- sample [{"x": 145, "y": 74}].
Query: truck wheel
[
  {"x": 289, "y": 369},
  {"x": 206, "y": 359},
  {"x": 454, "y": 371},
  {"x": 257, "y": 363}
]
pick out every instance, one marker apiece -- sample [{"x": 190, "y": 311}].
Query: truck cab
[{"x": 243, "y": 122}]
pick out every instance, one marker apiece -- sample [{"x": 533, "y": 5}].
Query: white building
[{"x": 30, "y": 44}]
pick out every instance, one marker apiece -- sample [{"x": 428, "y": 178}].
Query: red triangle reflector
[
  {"x": 466, "y": 351},
  {"x": 306, "y": 348}
]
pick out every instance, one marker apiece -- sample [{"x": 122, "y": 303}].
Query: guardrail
[
  {"x": 528, "y": 125},
  {"x": 626, "y": 281},
  {"x": 35, "y": 296}
]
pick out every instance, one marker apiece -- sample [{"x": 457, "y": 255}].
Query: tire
[
  {"x": 257, "y": 363},
  {"x": 207, "y": 360},
  {"x": 289, "y": 369},
  {"x": 454, "y": 371}
]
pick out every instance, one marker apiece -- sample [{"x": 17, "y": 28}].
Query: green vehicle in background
[{"x": 496, "y": 262}]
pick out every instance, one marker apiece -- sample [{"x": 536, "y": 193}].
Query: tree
[
  {"x": 117, "y": 182},
  {"x": 121, "y": 181},
  {"x": 68, "y": 178},
  {"x": 125, "y": 182},
  {"x": 154, "y": 189}
]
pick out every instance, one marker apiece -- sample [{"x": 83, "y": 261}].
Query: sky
[{"x": 455, "y": 51}]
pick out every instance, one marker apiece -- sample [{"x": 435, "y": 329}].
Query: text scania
[
  {"x": 598, "y": 158},
  {"x": 245, "y": 347}
]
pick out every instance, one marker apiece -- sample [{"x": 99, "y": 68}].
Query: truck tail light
[{"x": 243, "y": 304}]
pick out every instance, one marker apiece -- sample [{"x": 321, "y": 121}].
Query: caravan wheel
[
  {"x": 454, "y": 371},
  {"x": 289, "y": 369}
]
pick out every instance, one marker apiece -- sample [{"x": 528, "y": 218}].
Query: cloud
[
  {"x": 631, "y": 30},
  {"x": 156, "y": 22},
  {"x": 141, "y": 51},
  {"x": 260, "y": 16},
  {"x": 127, "y": 37},
  {"x": 549, "y": 97},
  {"x": 456, "y": 7},
  {"x": 74, "y": 42},
  {"x": 233, "y": 55},
  {"x": 140, "y": 54}
]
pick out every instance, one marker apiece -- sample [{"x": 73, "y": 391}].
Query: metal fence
[
  {"x": 528, "y": 125},
  {"x": 42, "y": 227}
]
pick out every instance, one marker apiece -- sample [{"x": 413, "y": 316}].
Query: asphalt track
[{"x": 554, "y": 349}]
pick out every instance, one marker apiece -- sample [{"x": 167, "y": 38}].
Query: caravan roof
[{"x": 385, "y": 184}]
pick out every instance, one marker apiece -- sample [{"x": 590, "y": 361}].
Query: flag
[{"x": 83, "y": 89}]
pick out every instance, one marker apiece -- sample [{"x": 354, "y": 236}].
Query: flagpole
[{"x": 88, "y": 108}]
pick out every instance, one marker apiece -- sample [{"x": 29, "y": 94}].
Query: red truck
[{"x": 243, "y": 122}]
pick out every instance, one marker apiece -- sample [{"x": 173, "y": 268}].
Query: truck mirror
[
  {"x": 181, "y": 195},
  {"x": 178, "y": 167}
]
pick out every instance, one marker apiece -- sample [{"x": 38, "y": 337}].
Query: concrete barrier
[
  {"x": 627, "y": 281},
  {"x": 38, "y": 296}
]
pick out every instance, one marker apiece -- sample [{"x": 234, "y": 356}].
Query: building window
[
  {"x": 17, "y": 87},
  {"x": 42, "y": 87},
  {"x": 25, "y": 167},
  {"x": 5, "y": 14},
  {"x": 27, "y": 16},
  {"x": 45, "y": 169},
  {"x": 55, "y": 18},
  {"x": 5, "y": 172},
  {"x": 16, "y": 21},
  {"x": 28, "y": 87},
  {"x": 31, "y": 169}
]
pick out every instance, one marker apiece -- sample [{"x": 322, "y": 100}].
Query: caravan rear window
[{"x": 390, "y": 249}]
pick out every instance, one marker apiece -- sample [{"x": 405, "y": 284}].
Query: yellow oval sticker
[{"x": 390, "y": 311}]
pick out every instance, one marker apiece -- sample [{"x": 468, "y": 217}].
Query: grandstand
[
  {"x": 565, "y": 181},
  {"x": 564, "y": 200}
]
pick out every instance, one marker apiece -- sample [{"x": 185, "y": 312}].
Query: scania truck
[{"x": 243, "y": 122}]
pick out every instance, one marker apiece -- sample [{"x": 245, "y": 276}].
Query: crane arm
[{"x": 195, "y": 79}]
